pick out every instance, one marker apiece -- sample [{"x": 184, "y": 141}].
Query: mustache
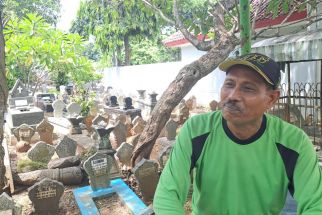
[{"x": 231, "y": 105}]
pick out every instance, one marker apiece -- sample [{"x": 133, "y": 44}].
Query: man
[{"x": 244, "y": 160}]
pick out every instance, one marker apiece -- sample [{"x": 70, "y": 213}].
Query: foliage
[
  {"x": 85, "y": 100},
  {"x": 26, "y": 165},
  {"x": 34, "y": 48},
  {"x": 152, "y": 51},
  {"x": 49, "y": 9},
  {"x": 114, "y": 23}
]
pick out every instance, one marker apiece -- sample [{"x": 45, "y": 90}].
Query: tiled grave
[{"x": 84, "y": 197}]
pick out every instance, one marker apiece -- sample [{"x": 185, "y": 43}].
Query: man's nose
[{"x": 234, "y": 94}]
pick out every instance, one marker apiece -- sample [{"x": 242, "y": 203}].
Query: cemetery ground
[{"x": 68, "y": 206}]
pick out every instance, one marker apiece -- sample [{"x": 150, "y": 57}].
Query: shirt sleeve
[
  {"x": 174, "y": 183},
  {"x": 308, "y": 180}
]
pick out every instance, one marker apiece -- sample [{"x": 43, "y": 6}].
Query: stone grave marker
[
  {"x": 65, "y": 162},
  {"x": 128, "y": 103},
  {"x": 58, "y": 106},
  {"x": 75, "y": 124},
  {"x": 73, "y": 109},
  {"x": 94, "y": 109},
  {"x": 124, "y": 153},
  {"x": 45, "y": 196},
  {"x": 171, "y": 129},
  {"x": 146, "y": 174},
  {"x": 120, "y": 133},
  {"x": 133, "y": 140},
  {"x": 137, "y": 119},
  {"x": 88, "y": 121},
  {"x": 122, "y": 118},
  {"x": 183, "y": 112},
  {"x": 41, "y": 152},
  {"x": 21, "y": 108},
  {"x": 98, "y": 168},
  {"x": 23, "y": 134},
  {"x": 138, "y": 127},
  {"x": 164, "y": 156},
  {"x": 153, "y": 100},
  {"x": 100, "y": 120},
  {"x": 45, "y": 131},
  {"x": 7, "y": 203},
  {"x": 120, "y": 100},
  {"x": 104, "y": 134},
  {"x": 141, "y": 94},
  {"x": 113, "y": 101},
  {"x": 66, "y": 147}
]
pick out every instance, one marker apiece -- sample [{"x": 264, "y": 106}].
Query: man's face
[{"x": 245, "y": 96}]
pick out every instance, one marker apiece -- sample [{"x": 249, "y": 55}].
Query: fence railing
[{"x": 301, "y": 105}]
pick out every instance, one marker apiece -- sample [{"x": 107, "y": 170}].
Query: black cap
[{"x": 262, "y": 64}]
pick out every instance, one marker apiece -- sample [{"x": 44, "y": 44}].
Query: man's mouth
[{"x": 232, "y": 107}]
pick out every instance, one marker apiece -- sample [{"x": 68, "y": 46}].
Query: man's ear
[{"x": 273, "y": 97}]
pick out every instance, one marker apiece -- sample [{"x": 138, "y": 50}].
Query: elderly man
[{"x": 244, "y": 160}]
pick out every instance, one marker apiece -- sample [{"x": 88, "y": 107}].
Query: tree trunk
[
  {"x": 185, "y": 80},
  {"x": 3, "y": 100},
  {"x": 127, "y": 51}
]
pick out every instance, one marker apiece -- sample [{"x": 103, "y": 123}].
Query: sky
[{"x": 68, "y": 13}]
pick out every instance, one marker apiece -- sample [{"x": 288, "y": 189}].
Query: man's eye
[
  {"x": 229, "y": 84},
  {"x": 249, "y": 89}
]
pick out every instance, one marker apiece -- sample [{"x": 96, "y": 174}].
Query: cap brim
[{"x": 224, "y": 66}]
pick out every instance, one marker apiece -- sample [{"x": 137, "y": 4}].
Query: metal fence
[{"x": 301, "y": 105}]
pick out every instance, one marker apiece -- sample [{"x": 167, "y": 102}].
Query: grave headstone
[
  {"x": 104, "y": 135},
  {"x": 183, "y": 112},
  {"x": 128, "y": 103},
  {"x": 75, "y": 124},
  {"x": 171, "y": 129},
  {"x": 113, "y": 101},
  {"x": 121, "y": 118},
  {"x": 137, "y": 119},
  {"x": 7, "y": 203},
  {"x": 120, "y": 100},
  {"x": 88, "y": 121},
  {"x": 146, "y": 174},
  {"x": 66, "y": 147},
  {"x": 138, "y": 127},
  {"x": 94, "y": 109},
  {"x": 124, "y": 153},
  {"x": 21, "y": 108},
  {"x": 141, "y": 94},
  {"x": 73, "y": 109},
  {"x": 153, "y": 100},
  {"x": 58, "y": 106},
  {"x": 120, "y": 133},
  {"x": 23, "y": 135},
  {"x": 41, "y": 152},
  {"x": 164, "y": 156},
  {"x": 133, "y": 140},
  {"x": 101, "y": 120},
  {"x": 68, "y": 176},
  {"x": 45, "y": 131},
  {"x": 64, "y": 162},
  {"x": 45, "y": 196},
  {"x": 98, "y": 168}
]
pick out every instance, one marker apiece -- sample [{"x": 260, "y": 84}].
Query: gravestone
[
  {"x": 88, "y": 121},
  {"x": 124, "y": 153},
  {"x": 45, "y": 131},
  {"x": 41, "y": 152},
  {"x": 121, "y": 118},
  {"x": 120, "y": 100},
  {"x": 73, "y": 109},
  {"x": 153, "y": 100},
  {"x": 113, "y": 101},
  {"x": 105, "y": 147},
  {"x": 164, "y": 156},
  {"x": 138, "y": 127},
  {"x": 146, "y": 174},
  {"x": 45, "y": 196},
  {"x": 141, "y": 94},
  {"x": 171, "y": 129},
  {"x": 101, "y": 120},
  {"x": 183, "y": 112},
  {"x": 23, "y": 135},
  {"x": 98, "y": 168},
  {"x": 21, "y": 108},
  {"x": 74, "y": 117},
  {"x": 66, "y": 147},
  {"x": 68, "y": 176},
  {"x": 137, "y": 119},
  {"x": 94, "y": 109},
  {"x": 58, "y": 106},
  {"x": 128, "y": 103},
  {"x": 7, "y": 203},
  {"x": 65, "y": 162},
  {"x": 120, "y": 133}
]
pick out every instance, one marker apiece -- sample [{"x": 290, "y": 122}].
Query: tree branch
[
  {"x": 200, "y": 45},
  {"x": 159, "y": 11}
]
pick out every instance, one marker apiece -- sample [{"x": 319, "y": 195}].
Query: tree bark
[
  {"x": 127, "y": 51},
  {"x": 3, "y": 100},
  {"x": 185, "y": 80}
]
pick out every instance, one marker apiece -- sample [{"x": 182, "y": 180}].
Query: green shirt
[{"x": 240, "y": 177}]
